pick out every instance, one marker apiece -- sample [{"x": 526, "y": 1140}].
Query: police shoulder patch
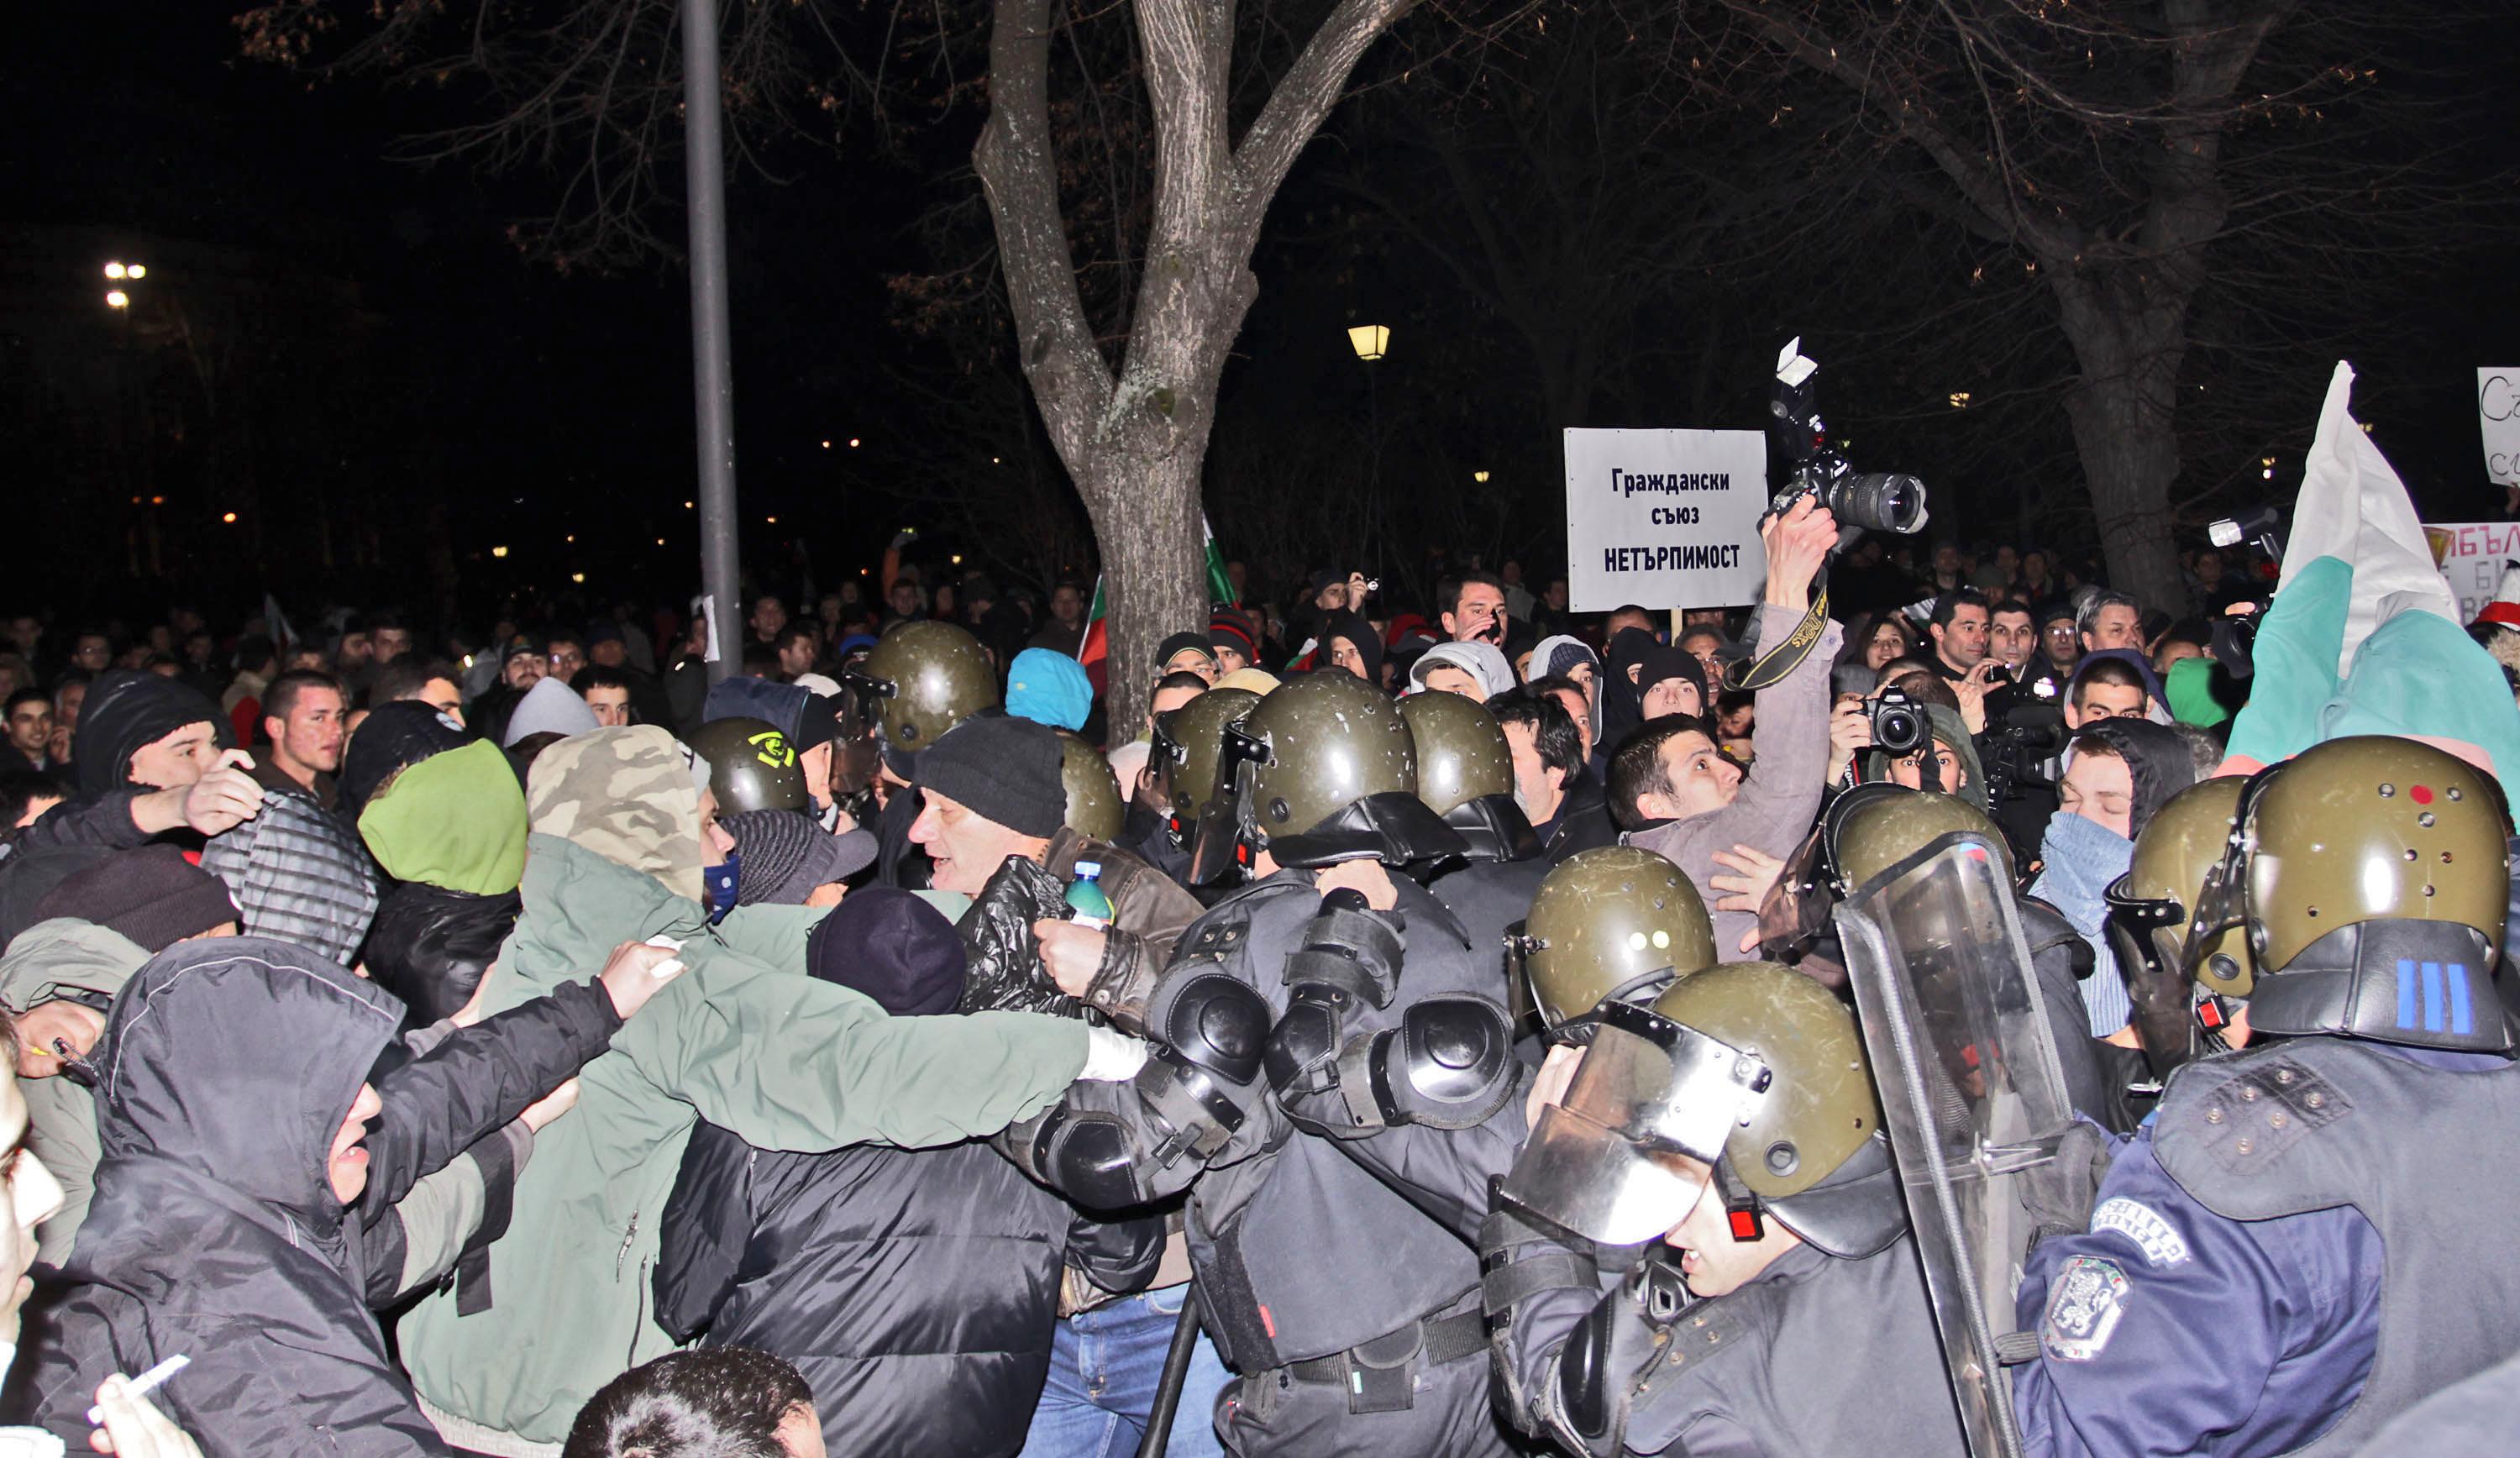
[
  {"x": 2159, "y": 1240},
  {"x": 2084, "y": 1305}
]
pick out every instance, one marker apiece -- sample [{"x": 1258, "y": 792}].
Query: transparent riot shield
[{"x": 1971, "y": 1092}]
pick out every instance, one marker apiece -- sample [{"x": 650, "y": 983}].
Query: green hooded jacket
[
  {"x": 744, "y": 1038},
  {"x": 45, "y": 959}
]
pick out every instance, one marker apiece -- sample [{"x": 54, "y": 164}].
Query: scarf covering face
[
  {"x": 2081, "y": 857},
  {"x": 456, "y": 819}
]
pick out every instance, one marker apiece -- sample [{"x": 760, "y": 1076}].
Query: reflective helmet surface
[
  {"x": 1094, "y": 808},
  {"x": 1326, "y": 741},
  {"x": 2181, "y": 845},
  {"x": 1819, "y": 1109},
  {"x": 1188, "y": 745},
  {"x": 1461, "y": 750},
  {"x": 1873, "y": 828},
  {"x": 1605, "y": 920},
  {"x": 922, "y": 679},
  {"x": 751, "y": 765},
  {"x": 2368, "y": 828}
]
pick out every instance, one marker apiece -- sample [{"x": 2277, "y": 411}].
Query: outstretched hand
[
  {"x": 637, "y": 971},
  {"x": 1798, "y": 543}
]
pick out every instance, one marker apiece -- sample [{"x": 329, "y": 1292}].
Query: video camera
[
  {"x": 2235, "y": 639},
  {"x": 1861, "y": 501}
]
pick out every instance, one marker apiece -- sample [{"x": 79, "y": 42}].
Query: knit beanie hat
[
  {"x": 781, "y": 856},
  {"x": 1559, "y": 656},
  {"x": 1049, "y": 688},
  {"x": 1230, "y": 627},
  {"x": 149, "y": 894},
  {"x": 1005, "y": 769},
  {"x": 1663, "y": 661},
  {"x": 125, "y": 713},
  {"x": 392, "y": 738},
  {"x": 892, "y": 947}
]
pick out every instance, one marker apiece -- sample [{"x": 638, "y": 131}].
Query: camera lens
[
  {"x": 1879, "y": 501},
  {"x": 1897, "y": 731}
]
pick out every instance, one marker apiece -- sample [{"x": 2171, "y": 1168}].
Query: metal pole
[{"x": 713, "y": 372}]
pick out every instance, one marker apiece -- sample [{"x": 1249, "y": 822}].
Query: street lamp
[
  {"x": 116, "y": 298},
  {"x": 1369, "y": 341}
]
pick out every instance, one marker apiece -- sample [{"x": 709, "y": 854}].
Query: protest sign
[
  {"x": 1665, "y": 518},
  {"x": 2471, "y": 556},
  {"x": 2497, "y": 415}
]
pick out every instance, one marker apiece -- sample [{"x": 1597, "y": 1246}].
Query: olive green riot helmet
[
  {"x": 1323, "y": 770},
  {"x": 1610, "y": 922},
  {"x": 2376, "y": 886},
  {"x": 1465, "y": 775},
  {"x": 751, "y": 765},
  {"x": 1462, "y": 752},
  {"x": 2150, "y": 909},
  {"x": 1872, "y": 828},
  {"x": 1819, "y": 1109},
  {"x": 922, "y": 679},
  {"x": 1094, "y": 804},
  {"x": 1188, "y": 751}
]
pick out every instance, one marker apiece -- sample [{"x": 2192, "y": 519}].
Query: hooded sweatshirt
[
  {"x": 550, "y": 707},
  {"x": 125, "y": 713},
  {"x": 47, "y": 960},
  {"x": 743, "y": 1039},
  {"x": 227, "y": 1068}
]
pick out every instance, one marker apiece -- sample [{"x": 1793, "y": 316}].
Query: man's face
[
  {"x": 817, "y": 764},
  {"x": 1537, "y": 787},
  {"x": 525, "y": 670},
  {"x": 26, "y": 632},
  {"x": 567, "y": 656},
  {"x": 1555, "y": 595},
  {"x": 30, "y": 728},
  {"x": 67, "y": 700},
  {"x": 2100, "y": 789},
  {"x": 1947, "y": 558},
  {"x": 716, "y": 841},
  {"x": 904, "y": 599},
  {"x": 2059, "y": 641},
  {"x": 390, "y": 644},
  {"x": 442, "y": 695},
  {"x": 1673, "y": 696},
  {"x": 798, "y": 657},
  {"x": 312, "y": 736},
  {"x": 1447, "y": 678},
  {"x": 1478, "y": 617},
  {"x": 2118, "y": 626},
  {"x": 1230, "y": 659},
  {"x": 2093, "y": 701},
  {"x": 2007, "y": 560},
  {"x": 1962, "y": 640},
  {"x": 180, "y": 759},
  {"x": 1711, "y": 1261},
  {"x": 1343, "y": 654},
  {"x": 347, "y": 1165},
  {"x": 1578, "y": 710},
  {"x": 2209, "y": 568},
  {"x": 1933, "y": 767},
  {"x": 2173, "y": 650},
  {"x": 611, "y": 705},
  {"x": 357, "y": 648},
  {"x": 93, "y": 652},
  {"x": 34, "y": 1197},
  {"x": 1586, "y": 676},
  {"x": 966, "y": 848},
  {"x": 610, "y": 653},
  {"x": 769, "y": 615},
  {"x": 2013, "y": 638},
  {"x": 1191, "y": 661},
  {"x": 1705, "y": 648},
  {"x": 1702, "y": 780},
  {"x": 1066, "y": 604}
]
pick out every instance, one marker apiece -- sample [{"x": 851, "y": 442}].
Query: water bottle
[{"x": 1087, "y": 906}]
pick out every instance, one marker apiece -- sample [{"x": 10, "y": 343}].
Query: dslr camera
[
  {"x": 1899, "y": 722},
  {"x": 1861, "y": 501}
]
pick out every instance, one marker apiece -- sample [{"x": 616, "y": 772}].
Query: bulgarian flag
[
  {"x": 2362, "y": 636},
  {"x": 1097, "y": 645}
]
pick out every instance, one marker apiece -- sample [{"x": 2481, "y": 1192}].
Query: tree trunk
[{"x": 2124, "y": 416}]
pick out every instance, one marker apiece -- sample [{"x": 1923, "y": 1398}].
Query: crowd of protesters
[{"x": 514, "y": 1038}]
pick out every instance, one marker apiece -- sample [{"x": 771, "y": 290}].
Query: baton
[{"x": 1168, "y": 1390}]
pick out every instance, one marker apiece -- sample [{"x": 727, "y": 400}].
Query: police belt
[{"x": 1381, "y": 1375}]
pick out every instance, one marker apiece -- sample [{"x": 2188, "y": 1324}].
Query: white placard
[
  {"x": 2497, "y": 415},
  {"x": 2471, "y": 556},
  {"x": 1665, "y": 518}
]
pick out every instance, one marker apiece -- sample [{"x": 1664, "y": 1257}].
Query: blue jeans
[{"x": 1103, "y": 1368}]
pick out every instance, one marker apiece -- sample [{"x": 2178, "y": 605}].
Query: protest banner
[
  {"x": 2497, "y": 416},
  {"x": 2471, "y": 556},
  {"x": 1665, "y": 518}
]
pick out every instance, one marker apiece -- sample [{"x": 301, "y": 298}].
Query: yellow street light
[
  {"x": 498, "y": 552},
  {"x": 958, "y": 559},
  {"x": 827, "y": 445},
  {"x": 1960, "y": 399},
  {"x": 578, "y": 577},
  {"x": 660, "y": 541},
  {"x": 1479, "y": 476},
  {"x": 687, "y": 506},
  {"x": 853, "y": 442},
  {"x": 773, "y": 520},
  {"x": 229, "y": 519},
  {"x": 136, "y": 271},
  {"x": 118, "y": 299},
  {"x": 115, "y": 271},
  {"x": 1369, "y": 341}
]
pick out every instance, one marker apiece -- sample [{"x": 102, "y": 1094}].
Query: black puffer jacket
[
  {"x": 430, "y": 947},
  {"x": 228, "y": 1067},
  {"x": 917, "y": 1290}
]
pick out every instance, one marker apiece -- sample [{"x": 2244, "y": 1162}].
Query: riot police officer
[
  {"x": 1351, "y": 1316},
  {"x": 919, "y": 681},
  {"x": 1703, "y": 1249},
  {"x": 2305, "y": 1239},
  {"x": 1182, "y": 765},
  {"x": 1465, "y": 775},
  {"x": 751, "y": 765}
]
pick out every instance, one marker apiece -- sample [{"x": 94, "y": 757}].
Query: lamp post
[{"x": 1371, "y": 341}]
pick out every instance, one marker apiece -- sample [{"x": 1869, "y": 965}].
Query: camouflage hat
[{"x": 626, "y": 795}]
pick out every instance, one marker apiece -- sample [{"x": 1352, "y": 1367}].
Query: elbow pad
[
  {"x": 1449, "y": 1065},
  {"x": 1084, "y": 1154},
  {"x": 1349, "y": 948},
  {"x": 1582, "y": 1405},
  {"x": 1210, "y": 1031}
]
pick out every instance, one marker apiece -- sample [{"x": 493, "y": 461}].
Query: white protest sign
[
  {"x": 1665, "y": 518},
  {"x": 2497, "y": 415},
  {"x": 2471, "y": 556}
]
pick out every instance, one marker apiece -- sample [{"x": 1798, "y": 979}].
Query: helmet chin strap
[{"x": 1743, "y": 1215}]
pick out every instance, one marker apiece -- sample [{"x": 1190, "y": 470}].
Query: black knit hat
[
  {"x": 1005, "y": 769},
  {"x": 125, "y": 713},
  {"x": 1184, "y": 642},
  {"x": 781, "y": 856},
  {"x": 891, "y": 946},
  {"x": 149, "y": 894},
  {"x": 392, "y": 740}
]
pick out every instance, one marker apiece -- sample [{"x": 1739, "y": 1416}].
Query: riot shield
[{"x": 1970, "y": 1089}]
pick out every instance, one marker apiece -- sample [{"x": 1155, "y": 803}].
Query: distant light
[
  {"x": 994, "y": 461},
  {"x": 1369, "y": 341},
  {"x": 1479, "y": 476},
  {"x": 578, "y": 577},
  {"x": 570, "y": 538},
  {"x": 157, "y": 501},
  {"x": 773, "y": 520},
  {"x": 863, "y": 572},
  {"x": 229, "y": 519},
  {"x": 136, "y": 271},
  {"x": 958, "y": 559},
  {"x": 2266, "y": 461},
  {"x": 115, "y": 271},
  {"x": 135, "y": 501},
  {"x": 827, "y": 445},
  {"x": 660, "y": 541},
  {"x": 498, "y": 552},
  {"x": 687, "y": 506},
  {"x": 118, "y": 299},
  {"x": 853, "y": 442},
  {"x": 1960, "y": 399}
]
